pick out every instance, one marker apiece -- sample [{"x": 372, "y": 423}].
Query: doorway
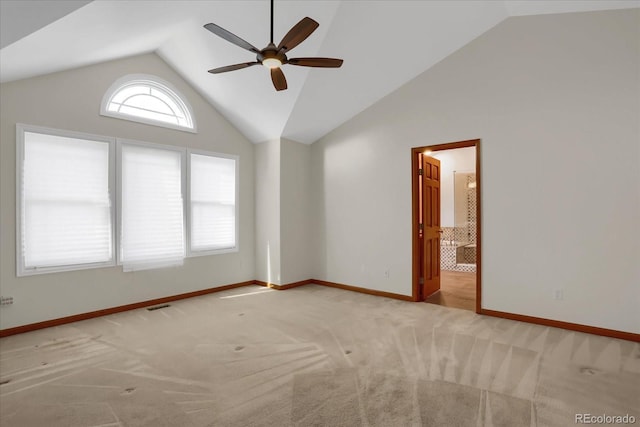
[{"x": 462, "y": 287}]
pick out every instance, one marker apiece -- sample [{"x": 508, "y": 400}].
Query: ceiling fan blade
[
  {"x": 232, "y": 67},
  {"x": 278, "y": 79},
  {"x": 230, "y": 37},
  {"x": 316, "y": 62},
  {"x": 298, "y": 33}
]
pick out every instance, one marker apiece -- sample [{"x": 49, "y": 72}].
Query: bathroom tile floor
[{"x": 457, "y": 290}]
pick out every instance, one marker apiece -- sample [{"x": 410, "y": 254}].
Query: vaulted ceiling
[{"x": 384, "y": 44}]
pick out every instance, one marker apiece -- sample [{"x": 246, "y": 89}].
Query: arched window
[{"x": 147, "y": 99}]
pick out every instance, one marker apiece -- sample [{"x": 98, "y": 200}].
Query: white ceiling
[{"x": 384, "y": 44}]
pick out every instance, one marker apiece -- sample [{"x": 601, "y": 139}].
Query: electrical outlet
[
  {"x": 6, "y": 300},
  {"x": 386, "y": 273},
  {"x": 558, "y": 294}
]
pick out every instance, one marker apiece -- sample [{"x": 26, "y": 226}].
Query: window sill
[{"x": 24, "y": 272}]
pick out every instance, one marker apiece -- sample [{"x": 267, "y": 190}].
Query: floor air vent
[{"x": 158, "y": 307}]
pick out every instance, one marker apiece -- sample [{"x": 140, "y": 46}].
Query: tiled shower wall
[
  {"x": 472, "y": 212},
  {"x": 461, "y": 258},
  {"x": 448, "y": 233}
]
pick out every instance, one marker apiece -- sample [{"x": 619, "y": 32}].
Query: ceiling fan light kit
[
  {"x": 274, "y": 57},
  {"x": 271, "y": 62}
]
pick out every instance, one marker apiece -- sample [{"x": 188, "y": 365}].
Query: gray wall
[
  {"x": 268, "y": 212},
  {"x": 556, "y": 102},
  {"x": 283, "y": 223},
  {"x": 295, "y": 223},
  {"x": 71, "y": 100}
]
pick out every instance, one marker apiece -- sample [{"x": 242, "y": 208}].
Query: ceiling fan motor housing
[{"x": 271, "y": 51}]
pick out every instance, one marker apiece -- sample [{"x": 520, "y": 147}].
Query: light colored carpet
[{"x": 311, "y": 356}]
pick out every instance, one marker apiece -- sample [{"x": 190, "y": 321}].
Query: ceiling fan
[{"x": 272, "y": 56}]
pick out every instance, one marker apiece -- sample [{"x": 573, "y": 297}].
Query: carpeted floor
[{"x": 311, "y": 356}]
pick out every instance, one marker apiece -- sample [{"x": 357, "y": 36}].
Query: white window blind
[
  {"x": 213, "y": 202},
  {"x": 152, "y": 225},
  {"x": 65, "y": 203}
]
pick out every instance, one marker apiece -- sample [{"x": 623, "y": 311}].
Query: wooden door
[{"x": 430, "y": 225}]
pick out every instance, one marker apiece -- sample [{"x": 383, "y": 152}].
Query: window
[
  {"x": 213, "y": 214},
  {"x": 64, "y": 209},
  {"x": 151, "y": 214},
  {"x": 147, "y": 99},
  {"x": 69, "y": 185}
]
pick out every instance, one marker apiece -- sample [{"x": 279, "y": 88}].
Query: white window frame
[
  {"x": 236, "y": 248},
  {"x": 20, "y": 131},
  {"x": 183, "y": 186},
  {"x": 115, "y": 195},
  {"x": 160, "y": 84}
]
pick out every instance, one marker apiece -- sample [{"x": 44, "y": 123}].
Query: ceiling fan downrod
[{"x": 271, "y": 22}]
